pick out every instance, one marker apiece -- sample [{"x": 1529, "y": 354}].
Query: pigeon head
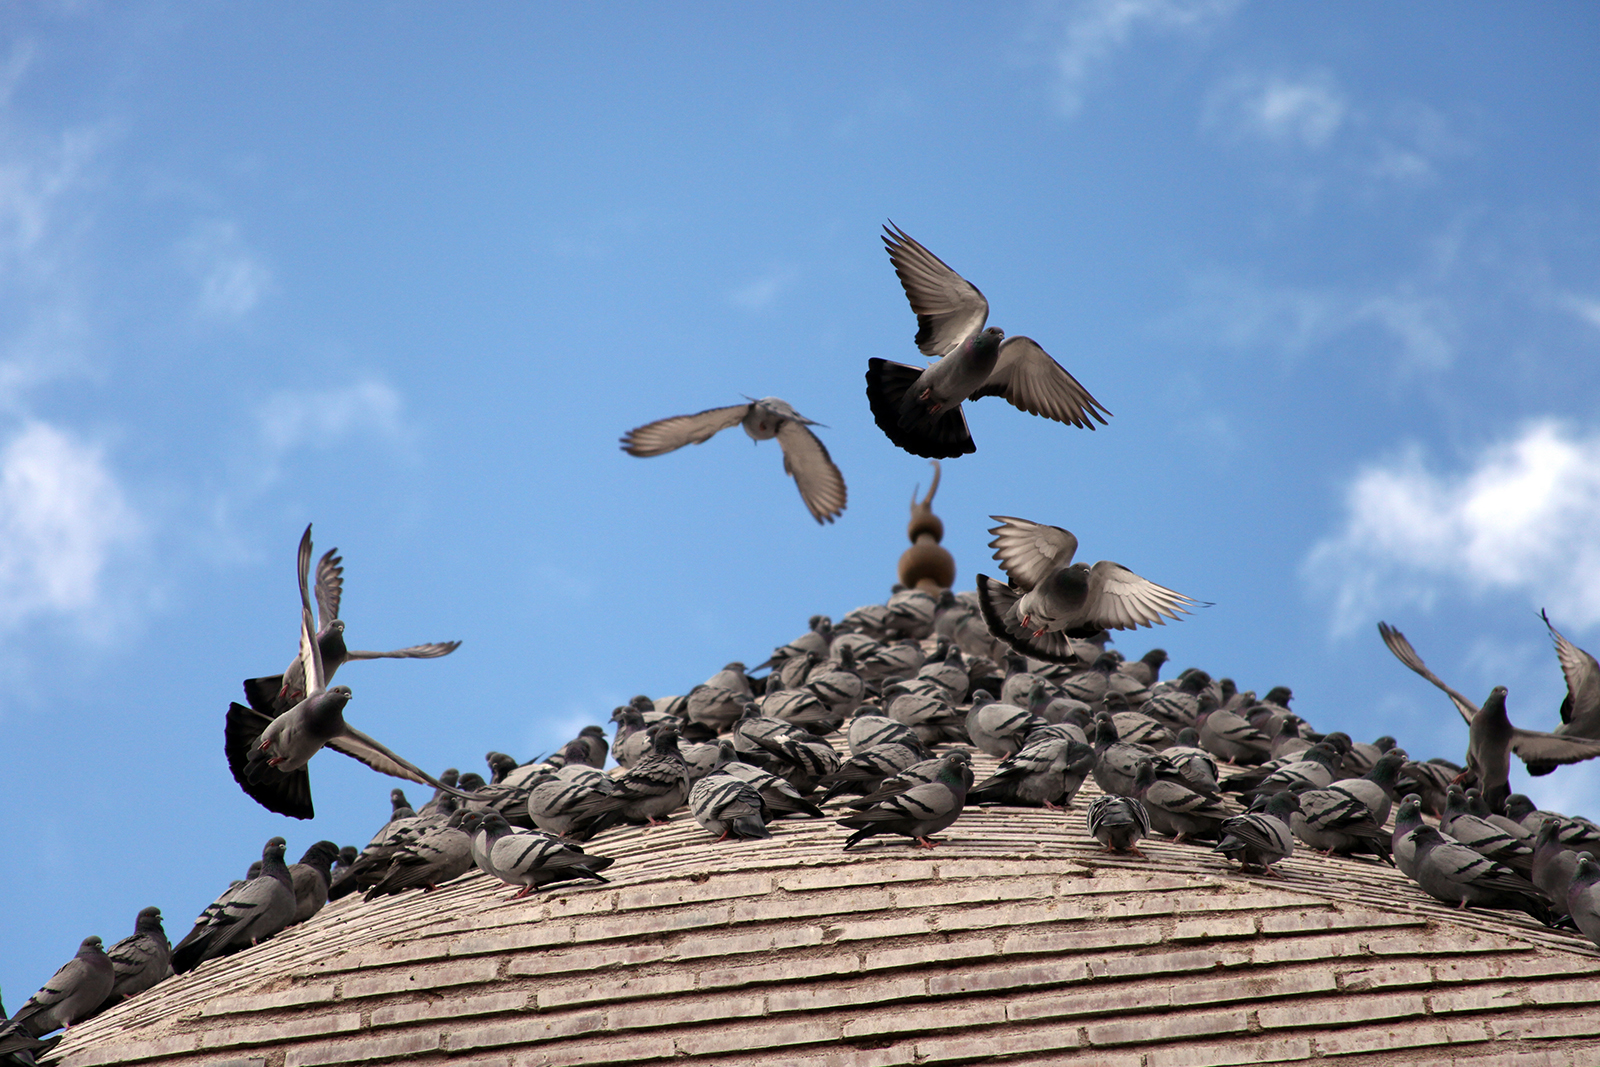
[
  {"x": 1519, "y": 807},
  {"x": 91, "y": 945},
  {"x": 321, "y": 855},
  {"x": 591, "y": 731},
  {"x": 1280, "y": 695},
  {"x": 149, "y": 920},
  {"x": 1584, "y": 875}
]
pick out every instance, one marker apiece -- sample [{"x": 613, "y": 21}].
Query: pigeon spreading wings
[
  {"x": 268, "y": 755},
  {"x": 1491, "y": 737},
  {"x": 1580, "y": 711},
  {"x": 805, "y": 458},
  {"x": 918, "y": 408},
  {"x": 277, "y": 693},
  {"x": 1050, "y": 599}
]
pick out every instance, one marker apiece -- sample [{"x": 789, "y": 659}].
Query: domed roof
[{"x": 1016, "y": 938}]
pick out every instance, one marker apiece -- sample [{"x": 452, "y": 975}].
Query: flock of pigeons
[{"x": 878, "y": 716}]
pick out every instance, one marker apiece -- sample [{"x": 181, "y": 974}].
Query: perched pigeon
[
  {"x": 1332, "y": 821},
  {"x": 1260, "y": 839},
  {"x": 728, "y": 807},
  {"x": 865, "y": 771},
  {"x": 533, "y": 859},
  {"x": 781, "y": 798},
  {"x": 311, "y": 878},
  {"x": 1046, "y": 773},
  {"x": 1174, "y": 807},
  {"x": 276, "y": 694},
  {"x": 920, "y": 409},
  {"x": 1116, "y": 765},
  {"x": 1118, "y": 823},
  {"x": 1484, "y": 837},
  {"x": 72, "y": 994},
  {"x": 1491, "y": 738},
  {"x": 139, "y": 960},
  {"x": 804, "y": 456},
  {"x": 434, "y": 856},
  {"x": 919, "y": 812},
  {"x": 1553, "y": 866},
  {"x": 1050, "y": 598},
  {"x": 268, "y": 756},
  {"x": 649, "y": 791},
  {"x": 243, "y": 916},
  {"x": 999, "y": 729},
  {"x": 1453, "y": 873},
  {"x": 1583, "y": 897},
  {"x": 558, "y": 804}
]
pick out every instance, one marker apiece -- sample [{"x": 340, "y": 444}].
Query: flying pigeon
[
  {"x": 1491, "y": 739},
  {"x": 247, "y": 913},
  {"x": 73, "y": 993},
  {"x": 268, "y": 756},
  {"x": 1580, "y": 711},
  {"x": 920, "y": 409},
  {"x": 1050, "y": 599},
  {"x": 277, "y": 693},
  {"x": 804, "y": 456}
]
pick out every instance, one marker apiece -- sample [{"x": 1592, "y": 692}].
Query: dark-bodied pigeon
[
  {"x": 1491, "y": 739},
  {"x": 1174, "y": 807},
  {"x": 311, "y": 878},
  {"x": 436, "y": 855},
  {"x": 268, "y": 756},
  {"x": 1583, "y": 897},
  {"x": 73, "y": 993},
  {"x": 727, "y": 806},
  {"x": 139, "y": 960},
  {"x": 919, "y": 812},
  {"x": 276, "y": 694},
  {"x": 804, "y": 456},
  {"x": 246, "y": 914},
  {"x": 1118, "y": 823},
  {"x": 1050, "y": 598},
  {"x": 1455, "y": 874},
  {"x": 1260, "y": 839},
  {"x": 918, "y": 408},
  {"x": 1047, "y": 773}
]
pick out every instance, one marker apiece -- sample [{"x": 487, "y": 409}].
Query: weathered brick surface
[{"x": 1016, "y": 939}]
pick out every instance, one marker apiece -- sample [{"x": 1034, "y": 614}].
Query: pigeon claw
[{"x": 926, "y": 842}]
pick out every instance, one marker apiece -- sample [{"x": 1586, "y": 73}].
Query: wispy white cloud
[
  {"x": 231, "y": 279},
  {"x": 1586, "y": 308},
  {"x": 761, "y": 293},
  {"x": 1237, "y": 312},
  {"x": 326, "y": 417},
  {"x": 1304, "y": 111},
  {"x": 62, "y": 517},
  {"x": 1094, "y": 31},
  {"x": 1520, "y": 517}
]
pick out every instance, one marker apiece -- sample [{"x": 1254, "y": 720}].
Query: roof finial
[{"x": 926, "y": 564}]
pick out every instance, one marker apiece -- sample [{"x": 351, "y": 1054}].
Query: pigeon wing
[
  {"x": 668, "y": 435},
  {"x": 1029, "y": 379},
  {"x": 330, "y": 587},
  {"x": 1535, "y": 746},
  {"x": 429, "y": 651},
  {"x": 310, "y": 651},
  {"x": 1397, "y": 643},
  {"x": 359, "y": 746},
  {"x": 1582, "y": 705},
  {"x": 1030, "y": 551},
  {"x": 949, "y": 308},
  {"x": 806, "y": 459},
  {"x": 1121, "y": 600}
]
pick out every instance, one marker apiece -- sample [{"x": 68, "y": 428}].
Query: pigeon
[
  {"x": 728, "y": 807},
  {"x": 1174, "y": 807},
  {"x": 268, "y": 757},
  {"x": 1453, "y": 873},
  {"x": 276, "y": 694},
  {"x": 868, "y": 727},
  {"x": 311, "y": 878},
  {"x": 999, "y": 729},
  {"x": 1583, "y": 898},
  {"x": 1553, "y": 866},
  {"x": 648, "y": 791},
  {"x": 1260, "y": 839},
  {"x": 139, "y": 960},
  {"x": 863, "y": 772},
  {"x": 1118, "y": 823},
  {"x": 242, "y": 916},
  {"x": 781, "y": 798},
  {"x": 1577, "y": 834},
  {"x": 1050, "y": 599},
  {"x": 72, "y": 994},
  {"x": 1501, "y": 845},
  {"x": 533, "y": 859},
  {"x": 920, "y": 409},
  {"x": 556, "y": 805},
  {"x": 433, "y": 857},
  {"x": 1580, "y": 710},
  {"x": 805, "y": 458},
  {"x": 1403, "y": 839},
  {"x": 1229, "y": 736},
  {"x": 1491, "y": 737},
  {"x": 1332, "y": 821},
  {"x": 1116, "y": 765},
  {"x": 919, "y": 812},
  {"x": 1046, "y": 773},
  {"x": 1377, "y": 789}
]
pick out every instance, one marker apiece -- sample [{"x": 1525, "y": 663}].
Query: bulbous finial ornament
[{"x": 926, "y": 564}]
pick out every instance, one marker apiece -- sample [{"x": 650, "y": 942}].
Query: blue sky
[{"x": 407, "y": 272}]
